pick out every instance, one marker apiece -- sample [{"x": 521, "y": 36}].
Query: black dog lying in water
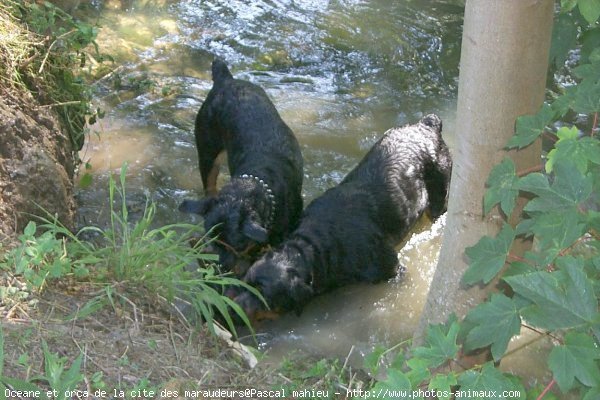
[
  {"x": 349, "y": 233},
  {"x": 262, "y": 203}
]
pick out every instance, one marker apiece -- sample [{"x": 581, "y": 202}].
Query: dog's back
[
  {"x": 249, "y": 127},
  {"x": 410, "y": 166}
]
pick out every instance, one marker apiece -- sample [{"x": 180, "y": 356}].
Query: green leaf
[
  {"x": 576, "y": 359},
  {"x": 567, "y": 5},
  {"x": 23, "y": 386},
  {"x": 89, "y": 308},
  {"x": 419, "y": 371},
  {"x": 488, "y": 256},
  {"x": 569, "y": 189},
  {"x": 496, "y": 322},
  {"x": 594, "y": 56},
  {"x": 395, "y": 386},
  {"x": 563, "y": 103},
  {"x": 556, "y": 231},
  {"x": 590, "y": 9},
  {"x": 564, "y": 38},
  {"x": 72, "y": 377},
  {"x": 488, "y": 383},
  {"x": 30, "y": 229},
  {"x": 442, "y": 384},
  {"x": 86, "y": 180},
  {"x": 440, "y": 343},
  {"x": 559, "y": 300},
  {"x": 530, "y": 127},
  {"x": 371, "y": 361},
  {"x": 587, "y": 72},
  {"x": 571, "y": 149},
  {"x": 592, "y": 394},
  {"x": 591, "y": 44},
  {"x": 587, "y": 98},
  {"x": 502, "y": 187}
]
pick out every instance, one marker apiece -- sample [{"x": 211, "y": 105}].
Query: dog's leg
[
  {"x": 210, "y": 179},
  {"x": 210, "y": 147}
]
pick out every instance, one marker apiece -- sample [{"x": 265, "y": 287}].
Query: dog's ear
[
  {"x": 201, "y": 207},
  {"x": 252, "y": 230},
  {"x": 432, "y": 121}
]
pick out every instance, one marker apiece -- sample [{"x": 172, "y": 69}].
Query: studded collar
[{"x": 268, "y": 192}]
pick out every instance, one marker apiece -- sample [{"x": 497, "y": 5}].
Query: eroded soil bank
[{"x": 36, "y": 164}]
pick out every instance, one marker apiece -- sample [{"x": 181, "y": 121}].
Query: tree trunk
[{"x": 503, "y": 68}]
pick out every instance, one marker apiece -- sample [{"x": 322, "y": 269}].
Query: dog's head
[
  {"x": 236, "y": 226},
  {"x": 432, "y": 121},
  {"x": 284, "y": 283}
]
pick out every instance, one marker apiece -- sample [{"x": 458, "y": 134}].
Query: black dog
[
  {"x": 349, "y": 233},
  {"x": 262, "y": 203}
]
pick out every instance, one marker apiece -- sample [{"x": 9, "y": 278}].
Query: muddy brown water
[{"x": 339, "y": 72}]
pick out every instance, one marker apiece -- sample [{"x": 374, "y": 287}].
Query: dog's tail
[
  {"x": 432, "y": 121},
  {"x": 220, "y": 72}
]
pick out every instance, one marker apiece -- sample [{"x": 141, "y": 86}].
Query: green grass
[{"x": 131, "y": 258}]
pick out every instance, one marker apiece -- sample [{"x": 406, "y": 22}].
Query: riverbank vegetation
[{"x": 43, "y": 50}]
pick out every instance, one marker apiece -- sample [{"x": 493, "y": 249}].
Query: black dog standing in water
[
  {"x": 262, "y": 203},
  {"x": 349, "y": 233}
]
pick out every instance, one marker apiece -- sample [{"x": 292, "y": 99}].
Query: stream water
[{"x": 340, "y": 72}]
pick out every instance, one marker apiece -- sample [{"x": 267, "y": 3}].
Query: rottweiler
[
  {"x": 349, "y": 233},
  {"x": 262, "y": 202}
]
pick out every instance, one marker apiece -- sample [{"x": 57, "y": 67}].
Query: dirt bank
[
  {"x": 36, "y": 164},
  {"x": 37, "y": 160}
]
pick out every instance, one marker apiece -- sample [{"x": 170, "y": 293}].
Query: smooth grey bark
[{"x": 503, "y": 68}]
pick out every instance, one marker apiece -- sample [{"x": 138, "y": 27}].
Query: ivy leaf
[
  {"x": 576, "y": 359},
  {"x": 395, "y": 385},
  {"x": 488, "y": 256},
  {"x": 590, "y": 9},
  {"x": 442, "y": 384},
  {"x": 440, "y": 342},
  {"x": 502, "y": 187},
  {"x": 561, "y": 299},
  {"x": 481, "y": 384},
  {"x": 496, "y": 322},
  {"x": 530, "y": 127}
]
